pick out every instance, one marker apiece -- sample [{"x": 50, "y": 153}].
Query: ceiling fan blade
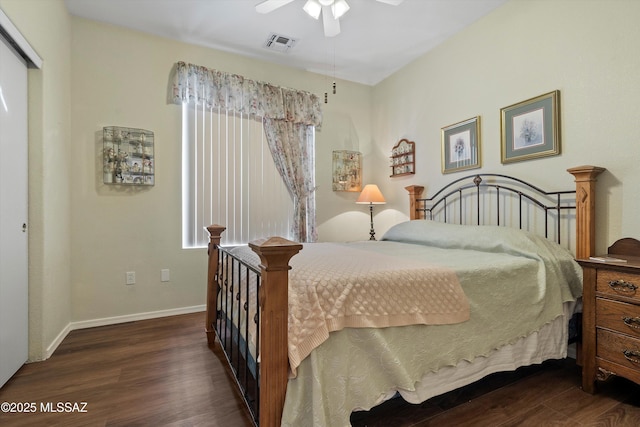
[
  {"x": 270, "y": 5},
  {"x": 391, "y": 2},
  {"x": 331, "y": 24}
]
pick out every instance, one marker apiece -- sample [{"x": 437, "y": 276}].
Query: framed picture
[
  {"x": 531, "y": 129},
  {"x": 347, "y": 171},
  {"x": 461, "y": 146}
]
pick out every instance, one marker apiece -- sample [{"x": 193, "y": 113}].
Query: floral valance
[{"x": 213, "y": 88}]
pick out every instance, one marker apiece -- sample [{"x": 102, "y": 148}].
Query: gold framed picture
[
  {"x": 461, "y": 146},
  {"x": 531, "y": 129}
]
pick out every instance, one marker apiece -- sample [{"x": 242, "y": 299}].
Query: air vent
[{"x": 279, "y": 42}]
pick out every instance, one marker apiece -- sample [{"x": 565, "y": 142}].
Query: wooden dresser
[{"x": 611, "y": 315}]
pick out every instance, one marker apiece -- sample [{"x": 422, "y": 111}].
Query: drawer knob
[
  {"x": 622, "y": 286},
  {"x": 632, "y": 355},
  {"x": 632, "y": 322}
]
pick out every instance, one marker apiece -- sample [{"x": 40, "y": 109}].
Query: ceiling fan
[{"x": 331, "y": 11}]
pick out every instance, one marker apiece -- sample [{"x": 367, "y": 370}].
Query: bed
[{"x": 312, "y": 334}]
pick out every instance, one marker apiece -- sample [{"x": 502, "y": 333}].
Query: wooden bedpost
[
  {"x": 585, "y": 177},
  {"x": 274, "y": 254},
  {"x": 415, "y": 192},
  {"x": 215, "y": 231}
]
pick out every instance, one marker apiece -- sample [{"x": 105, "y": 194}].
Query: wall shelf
[
  {"x": 128, "y": 156},
  {"x": 403, "y": 158}
]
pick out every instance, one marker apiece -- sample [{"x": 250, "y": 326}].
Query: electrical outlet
[
  {"x": 131, "y": 277},
  {"x": 164, "y": 275}
]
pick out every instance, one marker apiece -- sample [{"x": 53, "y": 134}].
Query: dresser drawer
[
  {"x": 619, "y": 284},
  {"x": 619, "y": 316},
  {"x": 618, "y": 348}
]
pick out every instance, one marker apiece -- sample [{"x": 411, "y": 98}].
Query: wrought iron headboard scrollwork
[{"x": 495, "y": 199}]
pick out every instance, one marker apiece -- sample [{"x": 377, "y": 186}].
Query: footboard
[{"x": 270, "y": 365}]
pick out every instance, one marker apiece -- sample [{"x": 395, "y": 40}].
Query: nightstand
[{"x": 611, "y": 315}]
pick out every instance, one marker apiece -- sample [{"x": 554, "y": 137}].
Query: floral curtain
[
  {"x": 288, "y": 116},
  {"x": 213, "y": 88},
  {"x": 291, "y": 145}
]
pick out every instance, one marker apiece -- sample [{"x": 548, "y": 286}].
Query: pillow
[{"x": 558, "y": 261}]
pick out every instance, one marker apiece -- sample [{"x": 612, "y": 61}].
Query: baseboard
[
  {"x": 56, "y": 342},
  {"x": 84, "y": 324}
]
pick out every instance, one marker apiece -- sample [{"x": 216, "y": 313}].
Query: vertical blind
[{"x": 229, "y": 178}]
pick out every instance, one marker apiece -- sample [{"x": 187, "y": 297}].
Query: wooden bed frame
[{"x": 275, "y": 253}]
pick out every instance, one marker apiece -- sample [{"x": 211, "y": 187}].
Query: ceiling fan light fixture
[
  {"x": 331, "y": 11},
  {"x": 313, "y": 8},
  {"x": 339, "y": 8}
]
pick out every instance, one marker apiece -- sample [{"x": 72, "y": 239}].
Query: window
[{"x": 229, "y": 178}]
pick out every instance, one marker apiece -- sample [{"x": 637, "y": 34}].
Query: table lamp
[{"x": 371, "y": 194}]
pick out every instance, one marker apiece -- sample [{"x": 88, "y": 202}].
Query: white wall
[{"x": 587, "y": 49}]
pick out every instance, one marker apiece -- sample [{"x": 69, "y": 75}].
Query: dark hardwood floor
[
  {"x": 160, "y": 372},
  {"x": 147, "y": 373}
]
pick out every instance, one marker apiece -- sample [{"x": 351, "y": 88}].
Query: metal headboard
[{"x": 459, "y": 197}]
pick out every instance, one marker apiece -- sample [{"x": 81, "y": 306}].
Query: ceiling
[{"x": 376, "y": 39}]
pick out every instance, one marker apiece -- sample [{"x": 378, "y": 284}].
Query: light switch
[{"x": 131, "y": 278}]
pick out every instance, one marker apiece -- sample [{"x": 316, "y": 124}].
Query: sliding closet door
[{"x": 13, "y": 213}]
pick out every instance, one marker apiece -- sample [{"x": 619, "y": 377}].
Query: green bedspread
[{"x": 515, "y": 283}]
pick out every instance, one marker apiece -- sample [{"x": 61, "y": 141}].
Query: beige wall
[
  {"x": 84, "y": 235},
  {"x": 46, "y": 26},
  {"x": 586, "y": 49},
  {"x": 120, "y": 78}
]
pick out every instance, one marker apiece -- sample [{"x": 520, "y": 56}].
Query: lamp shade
[{"x": 371, "y": 195}]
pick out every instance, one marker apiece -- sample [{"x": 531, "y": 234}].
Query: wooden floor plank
[
  {"x": 155, "y": 372},
  {"x": 161, "y": 372}
]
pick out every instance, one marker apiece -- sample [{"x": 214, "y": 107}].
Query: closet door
[{"x": 13, "y": 213}]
